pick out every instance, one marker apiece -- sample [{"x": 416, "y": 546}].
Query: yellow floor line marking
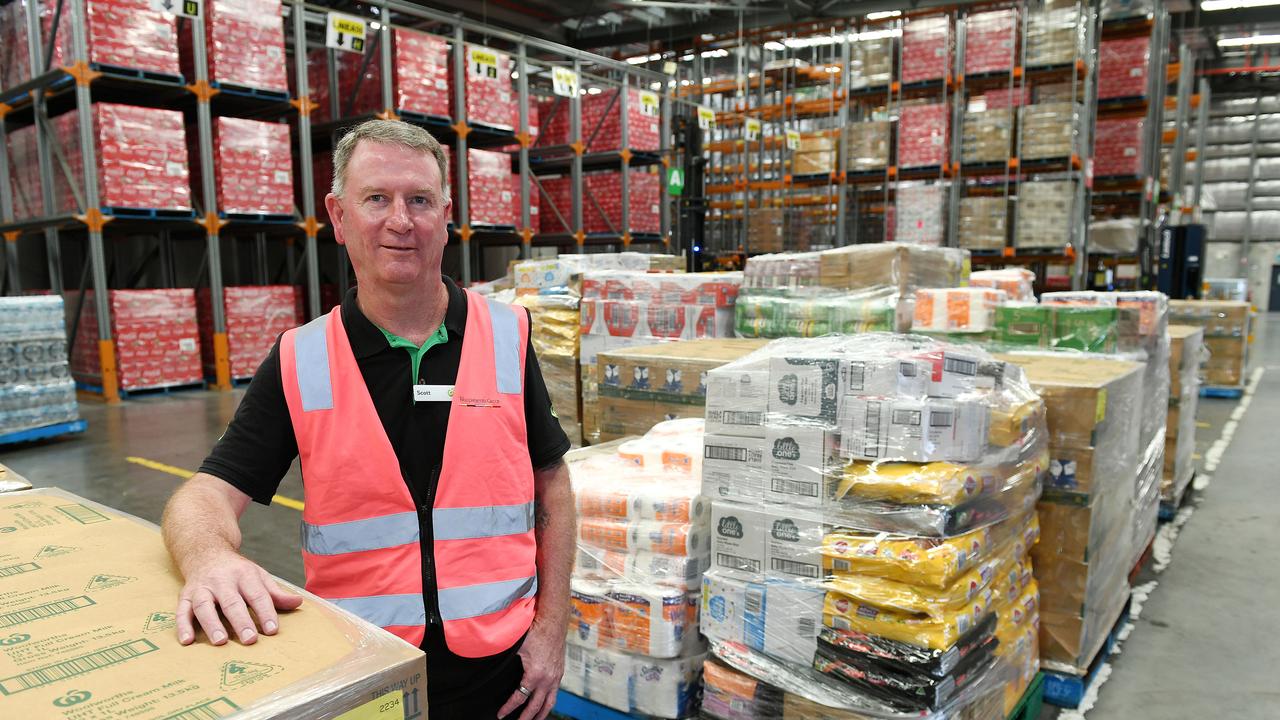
[
  {"x": 184, "y": 474},
  {"x": 1202, "y": 424}
]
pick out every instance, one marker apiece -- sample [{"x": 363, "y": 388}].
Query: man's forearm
[
  {"x": 556, "y": 529},
  {"x": 200, "y": 519}
]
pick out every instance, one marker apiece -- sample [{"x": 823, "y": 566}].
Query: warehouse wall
[{"x": 1222, "y": 260}]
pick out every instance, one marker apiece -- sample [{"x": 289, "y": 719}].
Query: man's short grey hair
[{"x": 387, "y": 132}]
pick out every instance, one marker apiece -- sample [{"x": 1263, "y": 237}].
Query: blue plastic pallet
[
  {"x": 149, "y": 213},
  {"x": 1067, "y": 690},
  {"x": 162, "y": 390},
  {"x": 138, "y": 74},
  {"x": 1231, "y": 393},
  {"x": 246, "y": 91},
  {"x": 258, "y": 218},
  {"x": 46, "y": 431},
  {"x": 579, "y": 708}
]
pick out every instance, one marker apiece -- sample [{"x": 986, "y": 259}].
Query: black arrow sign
[{"x": 340, "y": 39}]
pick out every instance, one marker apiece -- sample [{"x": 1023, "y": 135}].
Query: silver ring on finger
[{"x": 524, "y": 691}]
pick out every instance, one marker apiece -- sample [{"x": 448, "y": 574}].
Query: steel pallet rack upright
[
  {"x": 1143, "y": 192},
  {"x": 31, "y": 98},
  {"x": 869, "y": 187}
]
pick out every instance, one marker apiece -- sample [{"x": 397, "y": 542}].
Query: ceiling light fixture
[
  {"x": 1211, "y": 5},
  {"x": 884, "y": 14},
  {"x": 1249, "y": 40}
]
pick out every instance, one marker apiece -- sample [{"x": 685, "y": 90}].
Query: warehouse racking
[{"x": 154, "y": 234}]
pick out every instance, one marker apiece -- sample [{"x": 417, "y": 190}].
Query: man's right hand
[{"x": 226, "y": 581}]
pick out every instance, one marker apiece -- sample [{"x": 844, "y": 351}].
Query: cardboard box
[
  {"x": 11, "y": 481},
  {"x": 738, "y": 539},
  {"x": 793, "y": 542},
  {"x": 737, "y": 401},
  {"x": 93, "y": 593},
  {"x": 1084, "y": 397},
  {"x": 643, "y": 385},
  {"x": 800, "y": 461},
  {"x": 912, "y": 430},
  {"x": 807, "y": 388},
  {"x": 733, "y": 468}
]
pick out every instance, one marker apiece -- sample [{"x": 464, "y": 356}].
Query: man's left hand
[{"x": 542, "y": 654}]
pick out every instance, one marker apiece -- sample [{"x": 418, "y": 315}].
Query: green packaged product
[
  {"x": 1090, "y": 329},
  {"x": 770, "y": 316},
  {"x": 1023, "y": 325}
]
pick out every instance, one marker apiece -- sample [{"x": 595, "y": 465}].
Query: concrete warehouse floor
[{"x": 1200, "y": 648}]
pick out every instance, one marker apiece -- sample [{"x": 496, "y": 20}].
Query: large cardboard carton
[
  {"x": 88, "y": 615},
  {"x": 639, "y": 387},
  {"x": 1090, "y": 504},
  {"x": 11, "y": 481}
]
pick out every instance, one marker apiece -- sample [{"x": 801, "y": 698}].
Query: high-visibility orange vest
[{"x": 360, "y": 527}]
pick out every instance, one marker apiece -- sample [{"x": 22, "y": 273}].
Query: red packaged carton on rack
[
  {"x": 1118, "y": 147},
  {"x": 141, "y": 157},
  {"x": 124, "y": 33},
  {"x": 922, "y": 135},
  {"x": 489, "y": 188},
  {"x": 252, "y": 166},
  {"x": 490, "y": 98},
  {"x": 602, "y": 211},
  {"x": 553, "y": 120},
  {"x": 419, "y": 80},
  {"x": 535, "y": 204},
  {"x": 991, "y": 39},
  {"x": 245, "y": 42},
  {"x": 556, "y": 205},
  {"x": 602, "y": 121},
  {"x": 1006, "y": 97},
  {"x": 926, "y": 49},
  {"x": 157, "y": 339},
  {"x": 256, "y": 316},
  {"x": 24, "y": 173},
  {"x": 1122, "y": 67},
  {"x": 15, "y": 62}
]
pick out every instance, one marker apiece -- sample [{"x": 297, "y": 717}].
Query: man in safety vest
[{"x": 436, "y": 502}]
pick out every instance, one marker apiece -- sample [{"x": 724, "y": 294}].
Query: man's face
[{"x": 393, "y": 217}]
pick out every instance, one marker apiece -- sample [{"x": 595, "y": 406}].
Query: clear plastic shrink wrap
[
  {"x": 255, "y": 317},
  {"x": 156, "y": 334},
  {"x": 1044, "y": 214},
  {"x": 1055, "y": 35},
  {"x": 325, "y": 663},
  {"x": 643, "y": 543},
  {"x": 1088, "y": 511},
  {"x": 1226, "y": 336},
  {"x": 920, "y": 213},
  {"x": 245, "y": 41},
  {"x": 987, "y": 136},
  {"x": 36, "y": 388},
  {"x": 866, "y": 145},
  {"x": 1186, "y": 349},
  {"x": 984, "y": 222},
  {"x": 1017, "y": 283},
  {"x": 871, "y": 518},
  {"x": 962, "y": 310},
  {"x": 857, "y": 288}
]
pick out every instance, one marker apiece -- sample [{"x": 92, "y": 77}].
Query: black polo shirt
[{"x": 259, "y": 446}]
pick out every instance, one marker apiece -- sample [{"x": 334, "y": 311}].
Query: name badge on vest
[{"x": 433, "y": 393}]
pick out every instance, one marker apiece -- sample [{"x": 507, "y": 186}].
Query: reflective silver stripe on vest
[
  {"x": 506, "y": 347},
  {"x": 471, "y": 601},
  {"x": 480, "y": 522},
  {"x": 374, "y": 533},
  {"x": 311, "y": 362},
  {"x": 386, "y": 610}
]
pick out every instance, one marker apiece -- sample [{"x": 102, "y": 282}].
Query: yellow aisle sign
[{"x": 344, "y": 32}]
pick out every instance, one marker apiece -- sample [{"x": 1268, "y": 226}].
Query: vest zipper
[{"x": 428, "y": 549}]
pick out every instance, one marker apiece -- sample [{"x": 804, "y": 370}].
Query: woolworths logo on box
[{"x": 730, "y": 527}]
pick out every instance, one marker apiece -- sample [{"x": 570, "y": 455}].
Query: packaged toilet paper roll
[
  {"x": 647, "y": 619},
  {"x": 956, "y": 309},
  {"x": 643, "y": 535},
  {"x": 590, "y": 612},
  {"x": 574, "y": 679},
  {"x": 664, "y": 503},
  {"x": 609, "y": 679},
  {"x": 683, "y": 571},
  {"x": 665, "y": 688}
]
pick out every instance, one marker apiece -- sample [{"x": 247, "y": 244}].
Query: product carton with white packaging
[
  {"x": 733, "y": 468},
  {"x": 913, "y": 430},
  {"x": 904, "y": 377},
  {"x": 793, "y": 542},
  {"x": 737, "y": 401},
  {"x": 738, "y": 538},
  {"x": 798, "y": 462},
  {"x": 804, "y": 388}
]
